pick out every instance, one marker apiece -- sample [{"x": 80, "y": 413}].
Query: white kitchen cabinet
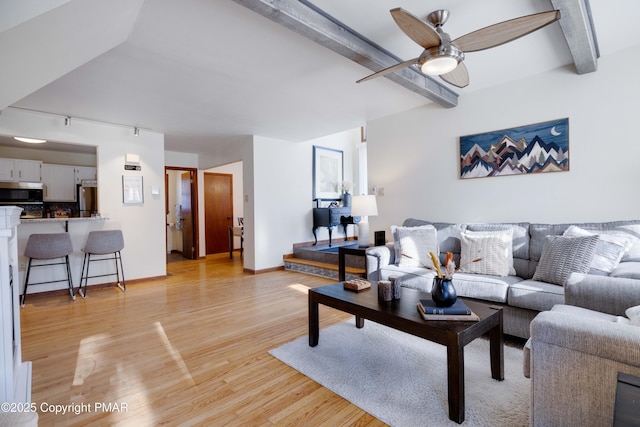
[
  {"x": 59, "y": 183},
  {"x": 29, "y": 170},
  {"x": 84, "y": 173},
  {"x": 6, "y": 169},
  {"x": 20, "y": 170}
]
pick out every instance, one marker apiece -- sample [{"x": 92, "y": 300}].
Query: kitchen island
[
  {"x": 78, "y": 229},
  {"x": 64, "y": 221}
]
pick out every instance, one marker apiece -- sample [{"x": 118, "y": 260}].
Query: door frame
[{"x": 194, "y": 210}]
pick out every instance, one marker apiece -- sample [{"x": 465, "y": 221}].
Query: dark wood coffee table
[{"x": 403, "y": 315}]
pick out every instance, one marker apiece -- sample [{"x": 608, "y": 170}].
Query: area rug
[
  {"x": 334, "y": 249},
  {"x": 402, "y": 380}
]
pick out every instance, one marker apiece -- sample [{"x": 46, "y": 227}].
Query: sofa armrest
[
  {"x": 604, "y": 339},
  {"x": 575, "y": 361},
  {"x": 378, "y": 257},
  {"x": 606, "y": 294}
]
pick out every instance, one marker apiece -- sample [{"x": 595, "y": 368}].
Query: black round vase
[{"x": 443, "y": 293}]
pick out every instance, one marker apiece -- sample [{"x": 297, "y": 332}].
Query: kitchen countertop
[{"x": 63, "y": 221}]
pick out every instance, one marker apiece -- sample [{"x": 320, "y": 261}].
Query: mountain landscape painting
[{"x": 536, "y": 148}]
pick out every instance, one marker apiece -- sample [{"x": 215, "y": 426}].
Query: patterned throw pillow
[
  {"x": 413, "y": 245},
  {"x": 609, "y": 251},
  {"x": 563, "y": 255},
  {"x": 491, "y": 248}
]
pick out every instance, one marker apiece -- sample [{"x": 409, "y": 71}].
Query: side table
[
  {"x": 627, "y": 403},
  {"x": 342, "y": 252}
]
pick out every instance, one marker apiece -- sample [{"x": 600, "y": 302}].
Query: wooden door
[
  {"x": 218, "y": 211},
  {"x": 188, "y": 245}
]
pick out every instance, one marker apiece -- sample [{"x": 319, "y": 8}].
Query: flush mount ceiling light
[{"x": 30, "y": 140}]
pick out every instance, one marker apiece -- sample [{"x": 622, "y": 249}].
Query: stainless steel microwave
[{"x": 21, "y": 193}]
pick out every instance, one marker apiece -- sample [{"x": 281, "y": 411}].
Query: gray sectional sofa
[{"x": 522, "y": 297}]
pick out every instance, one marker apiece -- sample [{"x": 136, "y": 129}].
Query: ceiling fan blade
[
  {"x": 389, "y": 70},
  {"x": 458, "y": 77},
  {"x": 418, "y": 30},
  {"x": 503, "y": 32}
]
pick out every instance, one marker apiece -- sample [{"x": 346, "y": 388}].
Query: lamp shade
[{"x": 364, "y": 206}]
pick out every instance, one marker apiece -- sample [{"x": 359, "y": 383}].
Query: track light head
[
  {"x": 67, "y": 121},
  {"x": 136, "y": 131}
]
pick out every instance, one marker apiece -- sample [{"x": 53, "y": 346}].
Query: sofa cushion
[
  {"x": 484, "y": 287},
  {"x": 629, "y": 270},
  {"x": 413, "y": 245},
  {"x": 487, "y": 252},
  {"x": 563, "y": 255},
  {"x": 534, "y": 295},
  {"x": 609, "y": 250}
]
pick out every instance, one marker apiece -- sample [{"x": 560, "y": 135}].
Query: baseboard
[{"x": 266, "y": 270}]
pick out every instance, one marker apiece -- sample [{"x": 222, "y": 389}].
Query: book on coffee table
[
  {"x": 471, "y": 317},
  {"x": 458, "y": 307}
]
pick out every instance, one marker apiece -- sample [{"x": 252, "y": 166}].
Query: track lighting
[{"x": 67, "y": 119}]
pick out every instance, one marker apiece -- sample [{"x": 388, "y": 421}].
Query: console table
[{"x": 329, "y": 217}]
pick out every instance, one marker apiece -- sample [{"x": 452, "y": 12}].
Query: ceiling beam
[
  {"x": 319, "y": 27},
  {"x": 577, "y": 25}
]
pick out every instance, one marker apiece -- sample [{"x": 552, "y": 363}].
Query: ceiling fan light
[
  {"x": 440, "y": 59},
  {"x": 439, "y": 65}
]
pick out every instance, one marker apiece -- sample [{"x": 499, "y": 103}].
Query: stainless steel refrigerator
[{"x": 88, "y": 198}]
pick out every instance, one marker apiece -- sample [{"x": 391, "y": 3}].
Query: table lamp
[{"x": 364, "y": 206}]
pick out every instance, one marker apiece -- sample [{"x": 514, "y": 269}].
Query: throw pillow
[
  {"x": 490, "y": 248},
  {"x": 633, "y": 313},
  {"x": 609, "y": 251},
  {"x": 563, "y": 255},
  {"x": 413, "y": 245}
]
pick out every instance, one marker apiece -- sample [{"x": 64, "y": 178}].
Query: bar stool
[
  {"x": 48, "y": 247},
  {"x": 102, "y": 243}
]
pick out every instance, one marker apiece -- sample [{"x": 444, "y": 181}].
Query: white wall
[
  {"x": 348, "y": 142},
  {"x": 276, "y": 194},
  {"x": 282, "y": 195},
  {"x": 144, "y": 252},
  {"x": 414, "y": 156}
]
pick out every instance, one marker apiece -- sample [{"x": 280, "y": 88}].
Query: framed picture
[
  {"x": 327, "y": 173},
  {"x": 132, "y": 191},
  {"x": 537, "y": 148}
]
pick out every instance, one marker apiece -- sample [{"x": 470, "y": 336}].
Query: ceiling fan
[{"x": 444, "y": 57}]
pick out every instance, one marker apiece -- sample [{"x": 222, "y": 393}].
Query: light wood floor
[{"x": 190, "y": 349}]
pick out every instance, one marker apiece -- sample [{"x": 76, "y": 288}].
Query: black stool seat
[
  {"x": 106, "y": 245},
  {"x": 45, "y": 247}
]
